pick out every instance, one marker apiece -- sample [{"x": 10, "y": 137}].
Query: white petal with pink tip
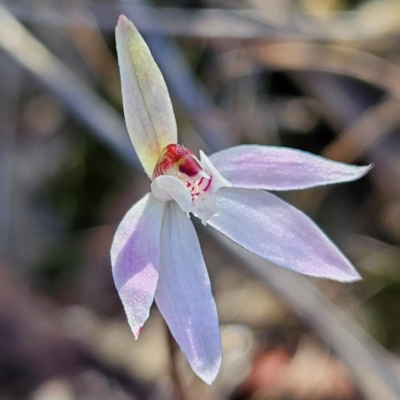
[
  {"x": 278, "y": 168},
  {"x": 273, "y": 229},
  {"x": 135, "y": 255}
]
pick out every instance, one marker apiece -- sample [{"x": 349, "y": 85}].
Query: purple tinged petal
[
  {"x": 277, "y": 168},
  {"x": 267, "y": 226},
  {"x": 184, "y": 296},
  {"x": 147, "y": 106},
  {"x": 135, "y": 255}
]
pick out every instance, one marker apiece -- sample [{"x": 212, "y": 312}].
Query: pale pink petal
[
  {"x": 267, "y": 226},
  {"x": 278, "y": 168},
  {"x": 184, "y": 296},
  {"x": 135, "y": 255},
  {"x": 168, "y": 187},
  {"x": 147, "y": 106}
]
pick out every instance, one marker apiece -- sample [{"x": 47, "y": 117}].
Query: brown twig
[
  {"x": 173, "y": 348},
  {"x": 303, "y": 56},
  {"x": 361, "y": 135}
]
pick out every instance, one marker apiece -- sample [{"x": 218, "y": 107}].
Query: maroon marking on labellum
[
  {"x": 189, "y": 166},
  {"x": 176, "y": 158}
]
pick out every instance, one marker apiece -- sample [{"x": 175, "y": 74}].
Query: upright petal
[
  {"x": 267, "y": 226},
  {"x": 278, "y": 168},
  {"x": 135, "y": 255},
  {"x": 147, "y": 106},
  {"x": 184, "y": 296}
]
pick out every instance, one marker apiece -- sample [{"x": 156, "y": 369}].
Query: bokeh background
[{"x": 317, "y": 75}]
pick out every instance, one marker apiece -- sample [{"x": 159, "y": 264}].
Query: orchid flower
[{"x": 156, "y": 253}]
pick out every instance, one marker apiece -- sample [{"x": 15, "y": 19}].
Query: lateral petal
[
  {"x": 278, "y": 168},
  {"x": 147, "y": 106},
  {"x": 184, "y": 296},
  {"x": 273, "y": 229},
  {"x": 135, "y": 255}
]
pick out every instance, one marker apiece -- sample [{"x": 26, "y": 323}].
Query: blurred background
[{"x": 317, "y": 75}]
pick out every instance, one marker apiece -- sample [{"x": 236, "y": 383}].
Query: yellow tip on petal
[{"x": 148, "y": 109}]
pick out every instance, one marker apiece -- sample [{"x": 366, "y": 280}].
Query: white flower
[{"x": 156, "y": 253}]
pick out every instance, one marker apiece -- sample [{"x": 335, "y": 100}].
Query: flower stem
[{"x": 173, "y": 349}]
